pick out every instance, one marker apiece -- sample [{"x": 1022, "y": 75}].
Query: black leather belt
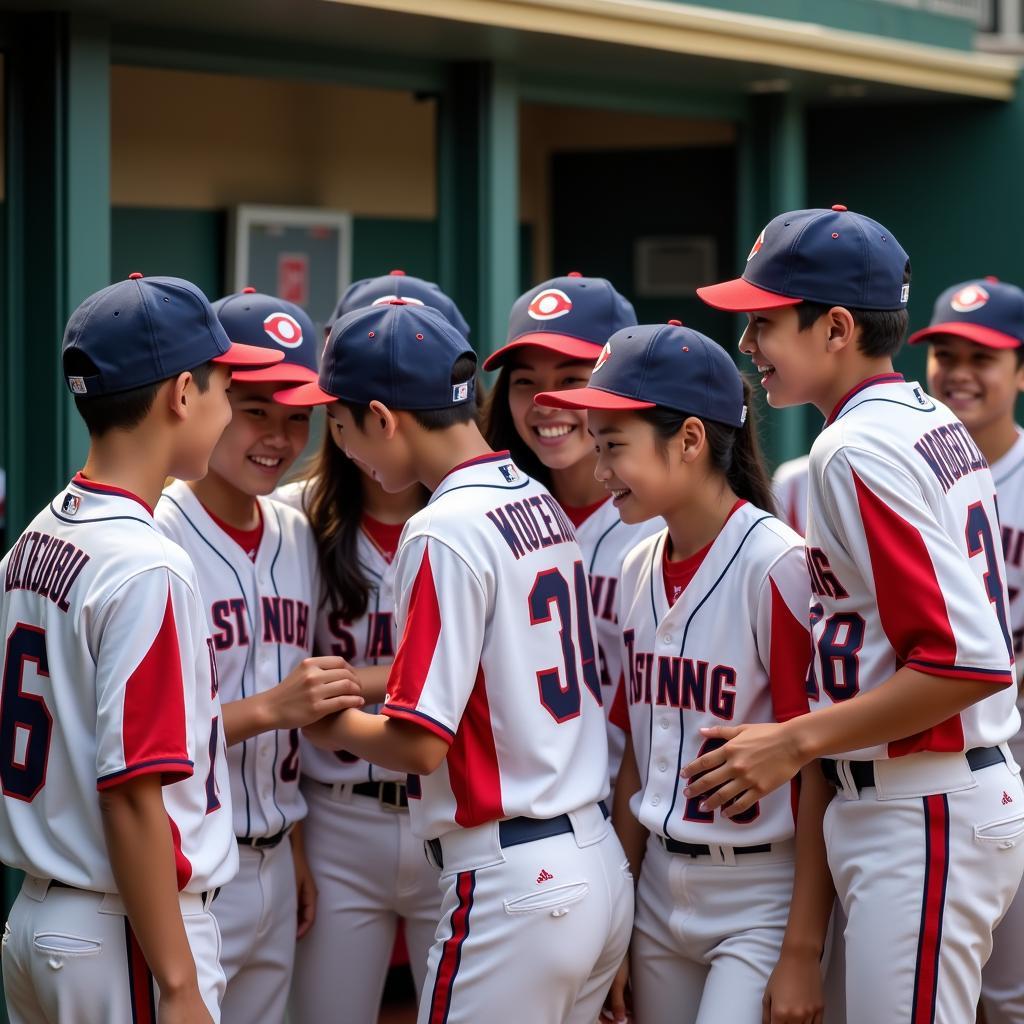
[
  {"x": 390, "y": 794},
  {"x": 264, "y": 842},
  {"x": 516, "y": 831},
  {"x": 863, "y": 772},
  {"x": 702, "y": 849}
]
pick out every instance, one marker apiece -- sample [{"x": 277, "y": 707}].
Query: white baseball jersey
[
  {"x": 497, "y": 656},
  {"x": 790, "y": 486},
  {"x": 605, "y": 540},
  {"x": 733, "y": 648},
  {"x": 1008, "y": 474},
  {"x": 109, "y": 674},
  {"x": 905, "y": 561},
  {"x": 261, "y": 617}
]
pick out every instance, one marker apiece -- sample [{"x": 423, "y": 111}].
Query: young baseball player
[
  {"x": 669, "y": 414},
  {"x": 115, "y": 795},
  {"x": 976, "y": 367},
  {"x": 256, "y": 561},
  {"x": 556, "y": 331},
  {"x": 789, "y": 482},
  {"x": 491, "y": 595},
  {"x": 358, "y": 811},
  {"x": 911, "y": 683}
]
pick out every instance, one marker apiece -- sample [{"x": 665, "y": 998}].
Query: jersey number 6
[
  {"x": 562, "y": 697},
  {"x": 25, "y": 720}
]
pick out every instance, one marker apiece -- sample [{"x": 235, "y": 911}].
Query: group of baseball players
[{"x": 541, "y": 674}]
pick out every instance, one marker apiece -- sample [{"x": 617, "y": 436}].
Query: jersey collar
[
  {"x": 869, "y": 382},
  {"x": 96, "y": 487}
]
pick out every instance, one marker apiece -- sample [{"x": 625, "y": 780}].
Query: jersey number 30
[
  {"x": 25, "y": 720},
  {"x": 560, "y": 688}
]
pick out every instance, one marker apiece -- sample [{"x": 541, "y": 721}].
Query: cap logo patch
[
  {"x": 603, "y": 357},
  {"x": 550, "y": 304},
  {"x": 283, "y": 329},
  {"x": 756, "y": 247},
  {"x": 71, "y": 504},
  {"x": 905, "y": 293},
  {"x": 970, "y": 298},
  {"x": 77, "y": 385},
  {"x": 460, "y": 392},
  {"x": 386, "y": 299}
]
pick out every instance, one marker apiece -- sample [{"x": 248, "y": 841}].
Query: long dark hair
[
  {"x": 500, "y": 430},
  {"x": 735, "y": 451}
]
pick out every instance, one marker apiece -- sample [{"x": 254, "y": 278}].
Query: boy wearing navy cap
[
  {"x": 110, "y": 685},
  {"x": 911, "y": 683},
  {"x": 976, "y": 366},
  {"x": 257, "y": 565},
  {"x": 493, "y": 701}
]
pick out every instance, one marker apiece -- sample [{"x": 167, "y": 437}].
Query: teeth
[
  {"x": 620, "y": 493},
  {"x": 764, "y": 368},
  {"x": 264, "y": 460},
  {"x": 559, "y": 430}
]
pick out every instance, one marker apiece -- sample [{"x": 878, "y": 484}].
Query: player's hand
[
  {"x": 618, "y": 1004},
  {"x": 183, "y": 1007},
  {"x": 754, "y": 761},
  {"x": 314, "y": 688},
  {"x": 305, "y": 893},
  {"x": 794, "y": 994}
]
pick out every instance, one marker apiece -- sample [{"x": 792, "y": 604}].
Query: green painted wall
[{"x": 877, "y": 17}]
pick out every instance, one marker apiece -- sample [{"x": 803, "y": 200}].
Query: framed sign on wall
[{"x": 300, "y": 254}]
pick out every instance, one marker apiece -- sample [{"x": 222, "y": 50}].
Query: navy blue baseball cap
[
  {"x": 399, "y": 353},
  {"x": 375, "y": 291},
  {"x": 572, "y": 315},
  {"x": 265, "y": 321},
  {"x": 833, "y": 257},
  {"x": 986, "y": 311},
  {"x": 660, "y": 365},
  {"x": 146, "y": 329}
]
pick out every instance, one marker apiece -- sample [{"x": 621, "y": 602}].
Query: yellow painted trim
[{"x": 724, "y": 35}]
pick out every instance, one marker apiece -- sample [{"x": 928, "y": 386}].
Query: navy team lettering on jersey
[
  {"x": 47, "y": 566},
  {"x": 950, "y": 453}
]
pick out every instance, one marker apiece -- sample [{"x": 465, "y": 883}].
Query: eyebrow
[
  {"x": 604, "y": 431},
  {"x": 558, "y": 366},
  {"x": 254, "y": 398}
]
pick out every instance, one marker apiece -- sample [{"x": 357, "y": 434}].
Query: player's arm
[
  {"x": 141, "y": 850},
  {"x": 794, "y": 993},
  {"x": 314, "y": 688},
  {"x": 305, "y": 884},
  {"x": 631, "y": 833},
  {"x": 389, "y": 742}
]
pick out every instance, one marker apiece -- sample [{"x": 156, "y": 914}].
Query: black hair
[
  {"x": 123, "y": 410},
  {"x": 881, "y": 330},
  {"x": 735, "y": 451},
  {"x": 436, "y": 419},
  {"x": 500, "y": 430}
]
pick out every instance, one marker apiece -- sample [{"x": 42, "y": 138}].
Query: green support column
[
  {"x": 478, "y": 196},
  {"x": 58, "y": 239},
  {"x": 773, "y": 179}
]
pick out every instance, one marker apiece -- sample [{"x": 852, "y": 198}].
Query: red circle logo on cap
[
  {"x": 970, "y": 298},
  {"x": 283, "y": 329},
  {"x": 388, "y": 300},
  {"x": 756, "y": 247},
  {"x": 603, "y": 357},
  {"x": 550, "y": 304}
]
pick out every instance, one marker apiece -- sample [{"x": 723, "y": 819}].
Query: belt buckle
[{"x": 394, "y": 804}]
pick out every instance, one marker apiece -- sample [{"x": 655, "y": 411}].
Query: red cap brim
[
  {"x": 589, "y": 398},
  {"x": 740, "y": 296},
  {"x": 563, "y": 344},
  {"x": 283, "y": 373},
  {"x": 248, "y": 355},
  {"x": 977, "y": 333},
  {"x": 304, "y": 394}
]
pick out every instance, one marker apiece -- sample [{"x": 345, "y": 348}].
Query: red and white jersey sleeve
[
  {"x": 497, "y": 656},
  {"x": 605, "y": 540},
  {"x": 906, "y": 563},
  {"x": 108, "y": 675},
  {"x": 789, "y": 483},
  {"x": 733, "y": 648},
  {"x": 260, "y": 615}
]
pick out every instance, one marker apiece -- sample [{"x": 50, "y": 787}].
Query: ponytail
[{"x": 735, "y": 451}]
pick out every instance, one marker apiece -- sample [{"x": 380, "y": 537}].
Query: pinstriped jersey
[
  {"x": 260, "y": 614},
  {"x": 905, "y": 560},
  {"x": 733, "y": 648},
  {"x": 605, "y": 540},
  {"x": 497, "y": 656},
  {"x": 108, "y": 675}
]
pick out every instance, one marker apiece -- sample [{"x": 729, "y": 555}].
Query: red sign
[{"x": 293, "y": 277}]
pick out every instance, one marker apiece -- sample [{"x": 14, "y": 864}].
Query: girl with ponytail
[{"x": 714, "y": 628}]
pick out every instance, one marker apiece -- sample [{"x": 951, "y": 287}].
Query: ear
[
  {"x": 382, "y": 420},
  {"x": 840, "y": 327},
  {"x": 1020, "y": 377},
  {"x": 179, "y": 393},
  {"x": 691, "y": 438}
]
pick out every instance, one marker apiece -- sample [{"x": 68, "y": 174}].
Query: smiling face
[
  {"x": 979, "y": 384},
  {"x": 558, "y": 437},
  {"x": 262, "y": 441},
  {"x": 792, "y": 364}
]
